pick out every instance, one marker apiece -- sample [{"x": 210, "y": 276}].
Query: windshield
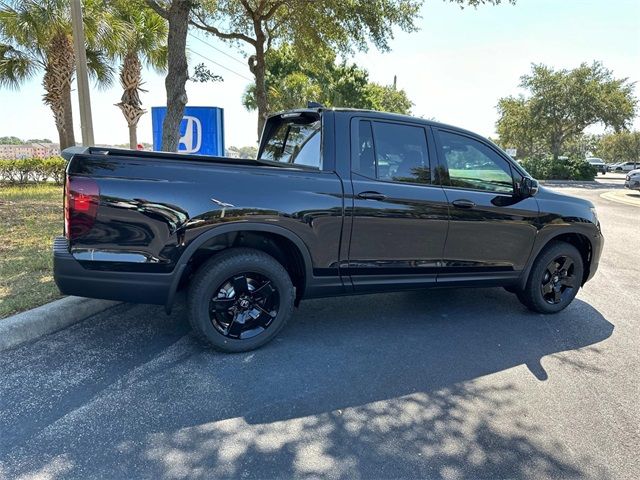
[{"x": 293, "y": 140}]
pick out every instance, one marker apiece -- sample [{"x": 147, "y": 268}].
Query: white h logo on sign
[{"x": 192, "y": 138}]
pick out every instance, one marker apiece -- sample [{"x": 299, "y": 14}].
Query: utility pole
[{"x": 82, "y": 77}]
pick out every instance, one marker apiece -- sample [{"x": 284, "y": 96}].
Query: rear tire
[
  {"x": 554, "y": 280},
  {"x": 239, "y": 300}
]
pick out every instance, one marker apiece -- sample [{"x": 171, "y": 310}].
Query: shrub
[
  {"x": 33, "y": 170},
  {"x": 561, "y": 169}
]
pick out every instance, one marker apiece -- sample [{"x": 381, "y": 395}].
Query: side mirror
[{"x": 528, "y": 187}]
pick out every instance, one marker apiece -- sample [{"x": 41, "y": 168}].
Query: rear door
[
  {"x": 492, "y": 228},
  {"x": 399, "y": 216}
]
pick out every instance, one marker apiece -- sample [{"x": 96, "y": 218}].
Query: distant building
[{"x": 29, "y": 150}]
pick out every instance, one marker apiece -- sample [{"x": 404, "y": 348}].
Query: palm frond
[
  {"x": 100, "y": 68},
  {"x": 16, "y": 67}
]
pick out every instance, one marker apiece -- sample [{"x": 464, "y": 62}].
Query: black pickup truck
[{"x": 337, "y": 202}]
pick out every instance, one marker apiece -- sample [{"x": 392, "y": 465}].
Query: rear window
[{"x": 293, "y": 140}]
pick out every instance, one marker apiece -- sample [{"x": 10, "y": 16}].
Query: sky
[{"x": 454, "y": 69}]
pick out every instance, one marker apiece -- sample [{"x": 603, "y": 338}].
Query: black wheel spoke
[
  {"x": 565, "y": 264},
  {"x": 265, "y": 312},
  {"x": 547, "y": 288},
  {"x": 240, "y": 285},
  {"x": 222, "y": 304},
  {"x": 556, "y": 296},
  {"x": 236, "y": 326},
  {"x": 568, "y": 281},
  {"x": 264, "y": 292}
]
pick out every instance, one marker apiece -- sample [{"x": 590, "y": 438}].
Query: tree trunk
[
  {"x": 261, "y": 93},
  {"x": 57, "y": 79},
  {"x": 177, "y": 74},
  {"x": 70, "y": 139},
  {"x": 257, "y": 65},
  {"x": 133, "y": 137}
]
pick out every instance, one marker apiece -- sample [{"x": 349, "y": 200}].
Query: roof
[{"x": 382, "y": 115}]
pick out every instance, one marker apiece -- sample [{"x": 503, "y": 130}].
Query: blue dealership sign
[{"x": 201, "y": 130}]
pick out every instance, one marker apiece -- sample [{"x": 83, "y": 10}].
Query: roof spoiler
[{"x": 69, "y": 152}]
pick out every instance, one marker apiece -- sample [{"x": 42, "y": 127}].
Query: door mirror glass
[{"x": 528, "y": 187}]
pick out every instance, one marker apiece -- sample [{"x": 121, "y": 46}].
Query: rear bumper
[{"x": 73, "y": 279}]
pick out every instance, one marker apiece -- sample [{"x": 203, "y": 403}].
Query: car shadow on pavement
[{"x": 370, "y": 386}]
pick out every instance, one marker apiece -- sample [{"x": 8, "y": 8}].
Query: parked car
[
  {"x": 599, "y": 164},
  {"x": 337, "y": 202},
  {"x": 632, "y": 180},
  {"x": 625, "y": 166}
]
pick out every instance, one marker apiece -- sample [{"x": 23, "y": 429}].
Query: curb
[
  {"x": 622, "y": 196},
  {"x": 51, "y": 317}
]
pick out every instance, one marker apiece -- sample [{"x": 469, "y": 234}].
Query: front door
[
  {"x": 492, "y": 228},
  {"x": 399, "y": 217}
]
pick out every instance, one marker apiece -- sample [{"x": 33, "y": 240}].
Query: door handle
[
  {"x": 463, "y": 203},
  {"x": 372, "y": 196}
]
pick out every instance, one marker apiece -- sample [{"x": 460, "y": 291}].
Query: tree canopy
[
  {"x": 560, "y": 105},
  {"x": 619, "y": 147},
  {"x": 311, "y": 28},
  {"x": 291, "y": 83}
]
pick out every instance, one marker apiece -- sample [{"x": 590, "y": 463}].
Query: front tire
[
  {"x": 240, "y": 299},
  {"x": 554, "y": 280}
]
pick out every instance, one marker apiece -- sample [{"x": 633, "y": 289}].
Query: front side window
[
  {"x": 392, "y": 152},
  {"x": 473, "y": 165},
  {"x": 293, "y": 140}
]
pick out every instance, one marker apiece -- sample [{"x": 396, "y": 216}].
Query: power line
[
  {"x": 222, "y": 66},
  {"x": 244, "y": 64}
]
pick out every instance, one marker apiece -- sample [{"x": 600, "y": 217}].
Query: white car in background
[
  {"x": 632, "y": 180},
  {"x": 624, "y": 166}
]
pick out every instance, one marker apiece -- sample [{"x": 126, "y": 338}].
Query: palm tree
[
  {"x": 35, "y": 36},
  {"x": 146, "y": 38}
]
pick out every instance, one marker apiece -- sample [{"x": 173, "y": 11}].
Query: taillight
[{"x": 81, "y": 199}]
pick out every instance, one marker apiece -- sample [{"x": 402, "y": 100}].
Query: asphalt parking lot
[{"x": 428, "y": 384}]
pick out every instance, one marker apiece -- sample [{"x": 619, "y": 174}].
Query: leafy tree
[
  {"x": 248, "y": 151},
  {"x": 292, "y": 82},
  {"x": 202, "y": 74},
  {"x": 581, "y": 146},
  {"x": 10, "y": 141},
  {"x": 310, "y": 27},
  {"x": 620, "y": 147},
  {"x": 35, "y": 36},
  {"x": 145, "y": 39},
  {"x": 560, "y": 105}
]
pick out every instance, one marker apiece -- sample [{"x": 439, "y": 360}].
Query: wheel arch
[
  {"x": 279, "y": 242},
  {"x": 574, "y": 237}
]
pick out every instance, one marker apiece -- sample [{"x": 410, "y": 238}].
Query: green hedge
[
  {"x": 33, "y": 170},
  {"x": 561, "y": 169}
]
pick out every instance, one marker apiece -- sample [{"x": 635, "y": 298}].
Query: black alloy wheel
[
  {"x": 240, "y": 299},
  {"x": 244, "y": 305},
  {"x": 554, "y": 279},
  {"x": 558, "y": 280}
]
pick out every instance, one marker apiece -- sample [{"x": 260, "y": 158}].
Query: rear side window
[
  {"x": 293, "y": 140},
  {"x": 392, "y": 152}
]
